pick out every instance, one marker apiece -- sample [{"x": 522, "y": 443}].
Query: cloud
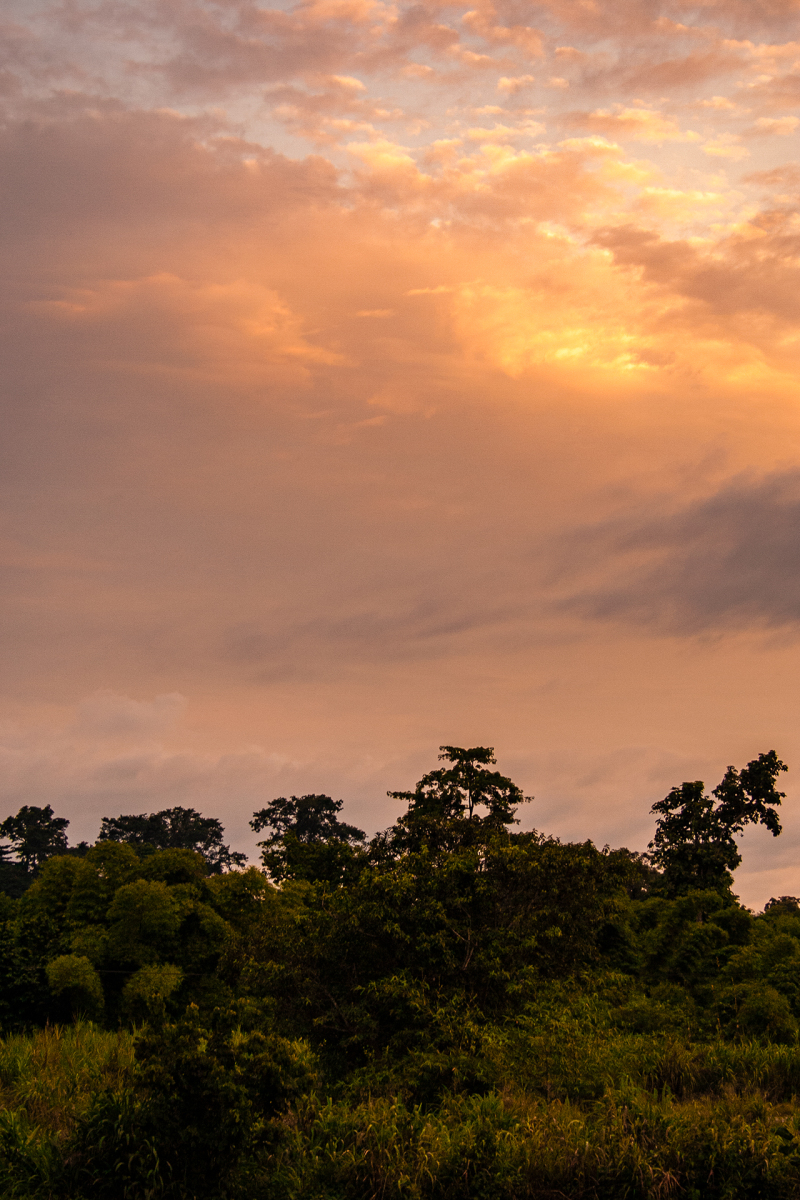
[
  {"x": 112, "y": 759},
  {"x": 683, "y": 206},
  {"x": 726, "y": 145},
  {"x": 221, "y": 50},
  {"x": 747, "y": 273},
  {"x": 163, "y": 323},
  {"x": 105, "y": 714},
  {"x": 731, "y": 561},
  {"x": 326, "y": 116},
  {"x": 719, "y": 104},
  {"x": 486, "y": 21},
  {"x": 775, "y": 92},
  {"x": 79, "y": 163},
  {"x": 679, "y": 74},
  {"x": 776, "y": 126},
  {"x": 637, "y": 124},
  {"x": 784, "y": 179},
  {"x": 499, "y": 133},
  {"x": 511, "y": 85}
]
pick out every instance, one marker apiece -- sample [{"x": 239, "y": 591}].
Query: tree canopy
[
  {"x": 695, "y": 840},
  {"x": 443, "y": 807},
  {"x": 306, "y": 838},
  {"x": 451, "y": 1010},
  {"x": 35, "y": 834},
  {"x": 311, "y": 818},
  {"x": 173, "y": 829}
]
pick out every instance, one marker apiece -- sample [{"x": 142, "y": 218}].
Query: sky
[{"x": 377, "y": 376}]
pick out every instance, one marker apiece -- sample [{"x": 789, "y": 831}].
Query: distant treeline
[{"x": 450, "y": 1009}]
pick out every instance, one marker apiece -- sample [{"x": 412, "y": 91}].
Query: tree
[
  {"x": 442, "y": 807},
  {"x": 307, "y": 839},
  {"x": 788, "y": 906},
  {"x": 35, "y": 834},
  {"x": 695, "y": 841},
  {"x": 458, "y": 790},
  {"x": 174, "y": 829},
  {"x": 310, "y": 818},
  {"x": 74, "y": 976}
]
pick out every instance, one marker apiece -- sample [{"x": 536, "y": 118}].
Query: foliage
[
  {"x": 74, "y": 975},
  {"x": 452, "y": 1010},
  {"x": 35, "y": 834},
  {"x": 145, "y": 994},
  {"x": 695, "y": 840},
  {"x": 173, "y": 829},
  {"x": 442, "y": 809},
  {"x": 307, "y": 840},
  {"x": 49, "y": 1077}
]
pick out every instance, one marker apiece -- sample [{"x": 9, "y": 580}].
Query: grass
[
  {"x": 578, "y": 1112},
  {"x": 49, "y": 1076},
  {"x": 514, "y": 1147},
  {"x": 47, "y": 1082}
]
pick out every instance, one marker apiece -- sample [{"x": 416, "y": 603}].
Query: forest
[{"x": 451, "y": 1009}]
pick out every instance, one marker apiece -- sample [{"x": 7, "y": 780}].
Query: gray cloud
[{"x": 726, "y": 562}]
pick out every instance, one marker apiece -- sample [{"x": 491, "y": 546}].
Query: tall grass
[
  {"x": 47, "y": 1083},
  {"x": 579, "y": 1067},
  {"x": 49, "y": 1076},
  {"x": 579, "y": 1112},
  {"x": 632, "y": 1147}
]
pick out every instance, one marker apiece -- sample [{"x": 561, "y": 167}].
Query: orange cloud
[
  {"x": 167, "y": 324},
  {"x": 776, "y": 126},
  {"x": 637, "y": 124},
  {"x": 726, "y": 145},
  {"x": 478, "y": 422},
  {"x": 487, "y": 22},
  {"x": 511, "y": 85}
]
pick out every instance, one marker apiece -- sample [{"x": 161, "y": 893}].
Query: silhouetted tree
[
  {"x": 173, "y": 829},
  {"x": 307, "y": 839},
  {"x": 310, "y": 818},
  {"x": 456, "y": 791},
  {"x": 788, "y": 906},
  {"x": 35, "y": 835},
  {"x": 442, "y": 809},
  {"x": 695, "y": 841}
]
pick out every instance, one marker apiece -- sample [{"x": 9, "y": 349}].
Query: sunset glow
[{"x": 384, "y": 375}]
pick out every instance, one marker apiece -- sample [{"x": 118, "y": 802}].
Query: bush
[
  {"x": 74, "y": 976},
  {"x": 203, "y": 1099},
  {"x": 146, "y": 993},
  {"x": 765, "y": 1013}
]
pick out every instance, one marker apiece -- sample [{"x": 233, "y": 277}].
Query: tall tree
[
  {"x": 458, "y": 790},
  {"x": 306, "y": 838},
  {"x": 174, "y": 829},
  {"x": 35, "y": 834},
  {"x": 695, "y": 840},
  {"x": 443, "y": 808},
  {"x": 309, "y": 818}
]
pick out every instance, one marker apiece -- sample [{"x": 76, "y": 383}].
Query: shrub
[
  {"x": 765, "y": 1013},
  {"x": 145, "y": 994},
  {"x": 74, "y": 976}
]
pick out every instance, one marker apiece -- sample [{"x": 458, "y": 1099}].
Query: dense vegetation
[{"x": 452, "y": 1009}]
